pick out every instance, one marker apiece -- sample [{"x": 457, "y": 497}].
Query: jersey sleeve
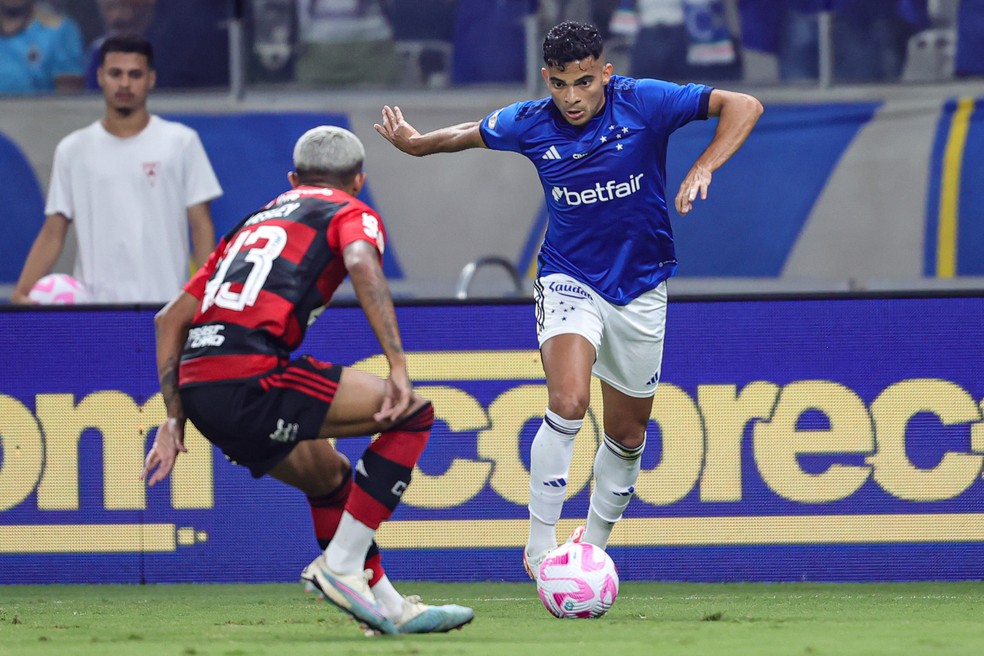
[
  {"x": 670, "y": 106},
  {"x": 356, "y": 222},
  {"x": 59, "y": 199},
  {"x": 499, "y": 129},
  {"x": 201, "y": 185}
]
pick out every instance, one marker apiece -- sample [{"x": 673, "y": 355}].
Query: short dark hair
[
  {"x": 571, "y": 41},
  {"x": 127, "y": 43}
]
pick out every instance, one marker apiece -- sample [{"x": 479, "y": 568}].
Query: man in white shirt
[{"x": 134, "y": 185}]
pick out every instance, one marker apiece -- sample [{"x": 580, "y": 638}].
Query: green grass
[{"x": 648, "y": 618}]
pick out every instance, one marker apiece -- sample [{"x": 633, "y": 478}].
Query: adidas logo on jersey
[{"x": 551, "y": 153}]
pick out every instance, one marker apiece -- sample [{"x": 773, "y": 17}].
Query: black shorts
[{"x": 257, "y": 422}]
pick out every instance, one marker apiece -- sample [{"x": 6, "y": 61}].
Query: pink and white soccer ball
[
  {"x": 577, "y": 580},
  {"x": 57, "y": 289}
]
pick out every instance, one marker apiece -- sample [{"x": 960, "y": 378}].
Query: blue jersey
[
  {"x": 604, "y": 182},
  {"x": 50, "y": 45}
]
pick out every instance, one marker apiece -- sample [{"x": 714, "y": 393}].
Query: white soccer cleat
[
  {"x": 349, "y": 592},
  {"x": 532, "y": 563},
  {"x": 419, "y": 617}
]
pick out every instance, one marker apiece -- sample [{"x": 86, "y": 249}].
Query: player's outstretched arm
[
  {"x": 737, "y": 114},
  {"x": 404, "y": 136},
  {"x": 372, "y": 290},
  {"x": 171, "y": 330}
]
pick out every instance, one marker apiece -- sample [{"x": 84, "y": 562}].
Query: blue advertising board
[{"x": 819, "y": 439}]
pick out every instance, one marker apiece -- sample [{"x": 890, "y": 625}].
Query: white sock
[
  {"x": 616, "y": 470},
  {"x": 346, "y": 553},
  {"x": 389, "y": 597},
  {"x": 550, "y": 461}
]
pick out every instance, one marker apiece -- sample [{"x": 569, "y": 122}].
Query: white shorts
[{"x": 628, "y": 339}]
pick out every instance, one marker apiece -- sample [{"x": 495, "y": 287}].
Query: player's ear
[
  {"x": 545, "y": 75},
  {"x": 151, "y": 79},
  {"x": 292, "y": 179},
  {"x": 358, "y": 182},
  {"x": 606, "y": 73}
]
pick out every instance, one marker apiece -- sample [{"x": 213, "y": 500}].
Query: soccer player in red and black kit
[{"x": 223, "y": 358}]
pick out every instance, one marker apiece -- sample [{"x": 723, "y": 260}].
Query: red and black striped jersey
[{"x": 268, "y": 279}]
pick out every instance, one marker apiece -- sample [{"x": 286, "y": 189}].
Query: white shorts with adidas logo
[{"x": 628, "y": 339}]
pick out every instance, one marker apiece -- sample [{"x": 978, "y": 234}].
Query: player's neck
[{"x": 126, "y": 124}]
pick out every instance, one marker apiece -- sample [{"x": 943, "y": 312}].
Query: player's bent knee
[
  {"x": 419, "y": 420},
  {"x": 569, "y": 406}
]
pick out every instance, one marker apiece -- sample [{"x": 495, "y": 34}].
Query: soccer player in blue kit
[{"x": 599, "y": 146}]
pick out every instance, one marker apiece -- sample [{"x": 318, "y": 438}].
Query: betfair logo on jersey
[{"x": 602, "y": 192}]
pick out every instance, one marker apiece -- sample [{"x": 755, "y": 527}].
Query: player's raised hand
[
  {"x": 697, "y": 181},
  {"x": 396, "y": 130},
  {"x": 168, "y": 442}
]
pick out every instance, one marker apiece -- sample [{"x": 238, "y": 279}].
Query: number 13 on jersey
[{"x": 244, "y": 252}]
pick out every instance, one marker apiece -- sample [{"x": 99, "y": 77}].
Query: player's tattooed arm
[
  {"x": 372, "y": 290},
  {"x": 168, "y": 376},
  {"x": 171, "y": 329}
]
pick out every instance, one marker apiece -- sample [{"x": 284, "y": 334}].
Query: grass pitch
[{"x": 648, "y": 618}]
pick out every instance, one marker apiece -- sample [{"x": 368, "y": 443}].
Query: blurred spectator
[
  {"x": 118, "y": 17},
  {"x": 271, "y": 33},
  {"x": 344, "y": 43},
  {"x": 85, "y": 14},
  {"x": 191, "y": 43},
  {"x": 554, "y": 12},
  {"x": 970, "y": 39},
  {"x": 869, "y": 37},
  {"x": 678, "y": 40},
  {"x": 190, "y": 39},
  {"x": 40, "y": 50},
  {"x": 490, "y": 41},
  {"x": 424, "y": 33}
]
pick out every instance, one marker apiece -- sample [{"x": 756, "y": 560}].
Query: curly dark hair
[
  {"x": 571, "y": 41},
  {"x": 129, "y": 43}
]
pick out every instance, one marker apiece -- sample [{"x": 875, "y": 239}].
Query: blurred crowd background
[{"x": 48, "y": 45}]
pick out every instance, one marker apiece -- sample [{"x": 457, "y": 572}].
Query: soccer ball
[
  {"x": 577, "y": 579},
  {"x": 57, "y": 289}
]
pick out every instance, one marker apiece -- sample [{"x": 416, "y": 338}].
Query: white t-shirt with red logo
[{"x": 128, "y": 199}]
